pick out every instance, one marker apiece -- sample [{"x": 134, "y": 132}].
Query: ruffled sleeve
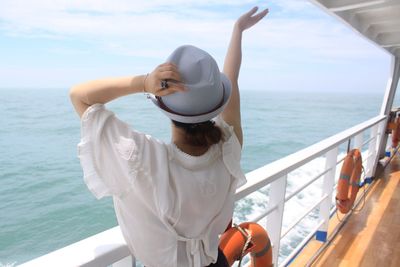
[
  {"x": 231, "y": 152},
  {"x": 111, "y": 154}
]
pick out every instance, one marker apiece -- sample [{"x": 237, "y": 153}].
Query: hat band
[{"x": 164, "y": 107}]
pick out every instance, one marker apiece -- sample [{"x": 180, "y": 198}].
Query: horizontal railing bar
[
  {"x": 366, "y": 142},
  {"x": 369, "y": 140},
  {"x": 342, "y": 159},
  {"x": 302, "y": 216},
  {"x": 300, "y": 246},
  {"x": 332, "y": 211},
  {"x": 264, "y": 214},
  {"x": 306, "y": 184},
  {"x": 280, "y": 168},
  {"x": 102, "y": 249},
  {"x": 369, "y": 155}
]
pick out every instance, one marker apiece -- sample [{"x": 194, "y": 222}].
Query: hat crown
[{"x": 201, "y": 76}]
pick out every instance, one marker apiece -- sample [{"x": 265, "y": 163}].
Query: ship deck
[{"x": 371, "y": 236}]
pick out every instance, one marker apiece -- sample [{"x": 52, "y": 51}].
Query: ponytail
[{"x": 201, "y": 134}]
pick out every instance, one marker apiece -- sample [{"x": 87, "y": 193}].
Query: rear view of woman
[{"x": 172, "y": 201}]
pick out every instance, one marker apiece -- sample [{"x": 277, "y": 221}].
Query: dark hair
[{"x": 200, "y": 134}]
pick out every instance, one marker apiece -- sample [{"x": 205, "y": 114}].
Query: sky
[{"x": 297, "y": 47}]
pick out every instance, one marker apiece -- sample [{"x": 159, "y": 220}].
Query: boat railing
[
  {"x": 109, "y": 248},
  {"x": 275, "y": 175}
]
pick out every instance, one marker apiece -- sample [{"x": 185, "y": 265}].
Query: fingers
[
  {"x": 169, "y": 75},
  {"x": 165, "y": 72},
  {"x": 168, "y": 71},
  {"x": 252, "y": 11},
  {"x": 260, "y": 15},
  {"x": 167, "y": 66},
  {"x": 250, "y": 18}
]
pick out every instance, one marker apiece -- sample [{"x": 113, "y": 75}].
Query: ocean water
[{"x": 45, "y": 205}]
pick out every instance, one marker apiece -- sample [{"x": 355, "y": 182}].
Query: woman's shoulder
[{"x": 229, "y": 136}]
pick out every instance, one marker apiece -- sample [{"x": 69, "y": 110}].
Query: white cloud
[
  {"x": 152, "y": 29},
  {"x": 139, "y": 27},
  {"x": 128, "y": 23}
]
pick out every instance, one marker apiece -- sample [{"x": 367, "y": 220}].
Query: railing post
[
  {"x": 274, "y": 221},
  {"x": 328, "y": 183},
  {"x": 388, "y": 99},
  {"x": 358, "y": 141},
  {"x": 380, "y": 145},
  {"x": 372, "y": 153}
]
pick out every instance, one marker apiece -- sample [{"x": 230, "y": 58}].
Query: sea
[{"x": 45, "y": 205}]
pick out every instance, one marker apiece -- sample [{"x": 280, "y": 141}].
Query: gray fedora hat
[{"x": 208, "y": 89}]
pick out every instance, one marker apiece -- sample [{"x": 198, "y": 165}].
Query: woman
[{"x": 172, "y": 201}]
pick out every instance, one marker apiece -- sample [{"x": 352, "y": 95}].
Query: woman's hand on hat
[
  {"x": 250, "y": 18},
  {"x": 164, "y": 80}
]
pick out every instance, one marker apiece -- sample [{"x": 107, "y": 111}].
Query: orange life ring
[
  {"x": 233, "y": 241},
  {"x": 349, "y": 179},
  {"x": 396, "y": 132}
]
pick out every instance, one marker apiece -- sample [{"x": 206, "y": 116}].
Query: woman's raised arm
[
  {"x": 104, "y": 90},
  {"x": 233, "y": 59}
]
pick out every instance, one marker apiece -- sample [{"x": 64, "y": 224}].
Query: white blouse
[{"x": 170, "y": 206}]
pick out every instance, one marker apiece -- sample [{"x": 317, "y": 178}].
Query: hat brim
[{"x": 227, "y": 87}]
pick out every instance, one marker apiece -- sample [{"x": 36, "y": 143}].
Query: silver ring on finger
[{"x": 164, "y": 84}]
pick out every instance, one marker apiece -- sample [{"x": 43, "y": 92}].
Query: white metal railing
[
  {"x": 275, "y": 174},
  {"x": 109, "y": 248}
]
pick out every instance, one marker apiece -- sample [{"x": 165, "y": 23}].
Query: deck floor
[{"x": 371, "y": 236}]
